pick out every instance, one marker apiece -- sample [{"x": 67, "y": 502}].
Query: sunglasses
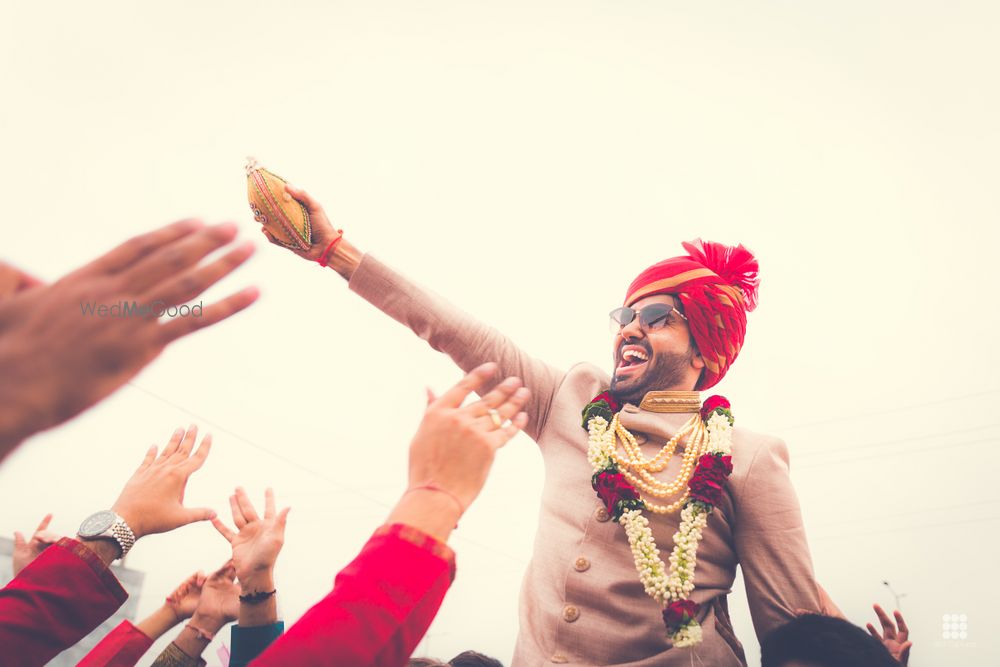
[{"x": 652, "y": 317}]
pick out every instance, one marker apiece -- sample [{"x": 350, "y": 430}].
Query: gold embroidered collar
[{"x": 671, "y": 401}]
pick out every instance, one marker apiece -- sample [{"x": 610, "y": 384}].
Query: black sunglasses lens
[
  {"x": 622, "y": 316},
  {"x": 655, "y": 314}
]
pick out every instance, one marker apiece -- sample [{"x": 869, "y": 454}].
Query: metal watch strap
[{"x": 123, "y": 535}]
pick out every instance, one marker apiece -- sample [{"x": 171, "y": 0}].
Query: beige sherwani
[{"x": 581, "y": 600}]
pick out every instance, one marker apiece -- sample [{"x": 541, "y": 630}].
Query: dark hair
[
  {"x": 473, "y": 659},
  {"x": 823, "y": 641},
  {"x": 425, "y": 662}
]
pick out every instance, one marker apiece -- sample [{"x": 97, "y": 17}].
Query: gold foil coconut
[{"x": 282, "y": 215}]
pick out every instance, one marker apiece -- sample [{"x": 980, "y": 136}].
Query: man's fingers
[
  {"x": 44, "y": 523},
  {"x": 195, "y": 514},
  {"x": 238, "y": 517},
  {"x": 243, "y": 499},
  {"x": 888, "y": 629},
  {"x": 138, "y": 247},
  {"x": 187, "y": 442},
  {"x": 430, "y": 397},
  {"x": 190, "y": 284},
  {"x": 175, "y": 442},
  {"x": 496, "y": 397},
  {"x": 198, "y": 460},
  {"x": 903, "y": 629},
  {"x": 515, "y": 426},
  {"x": 179, "y": 327},
  {"x": 268, "y": 503},
  {"x": 223, "y": 529},
  {"x": 514, "y": 403},
  {"x": 304, "y": 198},
  {"x": 19, "y": 540},
  {"x": 283, "y": 517},
  {"x": 904, "y": 654},
  {"x": 874, "y": 632},
  {"x": 474, "y": 380},
  {"x": 176, "y": 258}
]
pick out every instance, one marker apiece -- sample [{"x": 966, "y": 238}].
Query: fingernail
[{"x": 521, "y": 393}]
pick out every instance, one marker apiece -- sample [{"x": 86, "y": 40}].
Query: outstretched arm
[{"x": 446, "y": 328}]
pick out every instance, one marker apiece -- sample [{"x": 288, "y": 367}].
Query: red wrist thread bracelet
[
  {"x": 324, "y": 258},
  {"x": 435, "y": 487}
]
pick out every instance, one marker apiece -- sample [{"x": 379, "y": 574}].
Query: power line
[
  {"x": 897, "y": 441},
  {"x": 337, "y": 483},
  {"x": 913, "y": 527},
  {"x": 932, "y": 448},
  {"x": 896, "y": 515},
  {"x": 893, "y": 410}
]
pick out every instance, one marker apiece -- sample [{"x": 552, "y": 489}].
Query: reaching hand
[
  {"x": 26, "y": 551},
  {"x": 153, "y": 499},
  {"x": 184, "y": 600},
  {"x": 322, "y": 230},
  {"x": 258, "y": 541},
  {"x": 14, "y": 280},
  {"x": 220, "y": 596},
  {"x": 67, "y": 345},
  {"x": 896, "y": 640},
  {"x": 454, "y": 447}
]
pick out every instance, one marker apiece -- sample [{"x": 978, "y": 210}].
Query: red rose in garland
[
  {"x": 679, "y": 613},
  {"x": 603, "y": 405},
  {"x": 616, "y": 493},
  {"x": 711, "y": 404},
  {"x": 709, "y": 478}
]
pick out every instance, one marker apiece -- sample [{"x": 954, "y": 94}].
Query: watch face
[{"x": 96, "y": 524}]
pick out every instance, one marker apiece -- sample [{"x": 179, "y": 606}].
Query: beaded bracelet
[{"x": 258, "y": 597}]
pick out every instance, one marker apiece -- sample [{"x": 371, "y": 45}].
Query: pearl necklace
[{"x": 639, "y": 470}]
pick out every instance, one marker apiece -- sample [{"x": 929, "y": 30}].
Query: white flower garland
[{"x": 663, "y": 586}]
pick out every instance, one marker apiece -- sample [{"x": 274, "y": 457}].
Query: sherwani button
[
  {"x": 570, "y": 613},
  {"x": 601, "y": 514},
  {"x": 560, "y": 659},
  {"x": 581, "y": 564}
]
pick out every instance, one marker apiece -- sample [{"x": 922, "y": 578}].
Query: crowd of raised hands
[
  {"x": 56, "y": 362},
  {"x": 63, "y": 587}
]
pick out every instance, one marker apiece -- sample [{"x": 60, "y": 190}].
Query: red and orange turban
[{"x": 717, "y": 285}]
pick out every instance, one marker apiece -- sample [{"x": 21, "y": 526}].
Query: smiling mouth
[{"x": 633, "y": 359}]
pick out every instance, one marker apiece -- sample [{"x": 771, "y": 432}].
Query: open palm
[
  {"x": 894, "y": 636},
  {"x": 257, "y": 540}
]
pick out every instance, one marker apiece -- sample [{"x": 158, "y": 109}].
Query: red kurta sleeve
[
  {"x": 381, "y": 605},
  {"x": 122, "y": 647},
  {"x": 55, "y": 602}
]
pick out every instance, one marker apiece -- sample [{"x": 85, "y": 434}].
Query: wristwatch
[{"x": 107, "y": 525}]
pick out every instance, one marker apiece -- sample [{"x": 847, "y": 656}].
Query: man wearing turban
[{"x": 680, "y": 329}]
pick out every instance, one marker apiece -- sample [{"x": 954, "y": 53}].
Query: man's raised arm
[{"x": 446, "y": 328}]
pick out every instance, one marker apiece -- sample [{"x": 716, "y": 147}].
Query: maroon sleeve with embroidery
[
  {"x": 122, "y": 647},
  {"x": 381, "y": 605},
  {"x": 55, "y": 602}
]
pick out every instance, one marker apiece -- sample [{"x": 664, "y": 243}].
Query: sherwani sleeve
[
  {"x": 55, "y": 602},
  {"x": 122, "y": 647},
  {"x": 771, "y": 542},
  {"x": 381, "y": 605},
  {"x": 447, "y": 329}
]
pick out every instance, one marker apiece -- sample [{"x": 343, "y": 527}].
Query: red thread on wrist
[
  {"x": 202, "y": 634},
  {"x": 435, "y": 487},
  {"x": 325, "y": 257}
]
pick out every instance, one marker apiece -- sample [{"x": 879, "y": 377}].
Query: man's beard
[{"x": 665, "y": 370}]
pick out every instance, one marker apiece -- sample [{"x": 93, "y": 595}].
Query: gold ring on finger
[{"x": 495, "y": 416}]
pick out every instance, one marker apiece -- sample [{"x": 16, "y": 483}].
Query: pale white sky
[{"x": 526, "y": 159}]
